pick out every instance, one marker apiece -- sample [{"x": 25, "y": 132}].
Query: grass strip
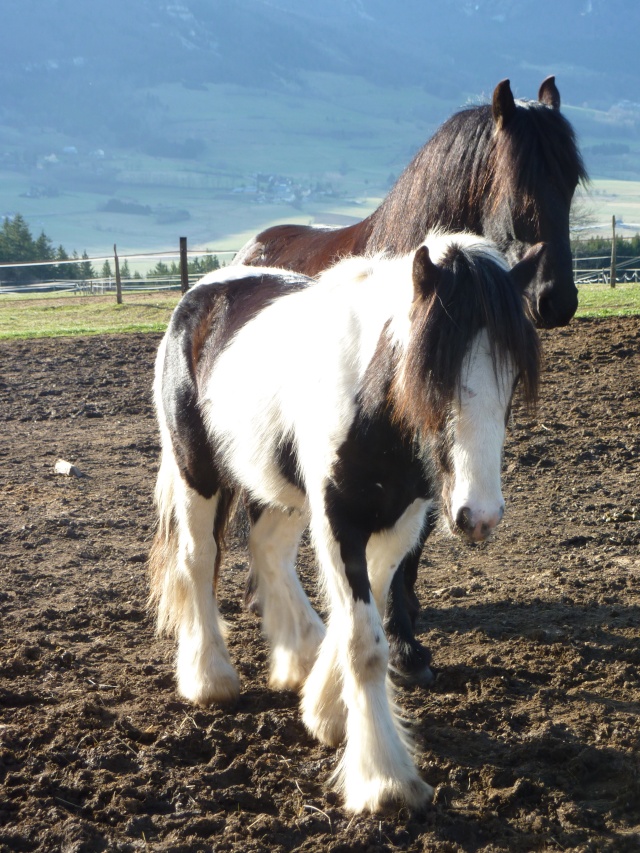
[{"x": 58, "y": 316}]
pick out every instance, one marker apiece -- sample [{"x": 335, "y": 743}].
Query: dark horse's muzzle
[{"x": 553, "y": 295}]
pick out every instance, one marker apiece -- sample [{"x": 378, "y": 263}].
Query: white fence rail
[
  {"x": 603, "y": 276},
  {"x": 591, "y": 270},
  {"x": 100, "y": 284}
]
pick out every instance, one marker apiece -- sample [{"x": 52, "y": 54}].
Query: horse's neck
[{"x": 436, "y": 191}]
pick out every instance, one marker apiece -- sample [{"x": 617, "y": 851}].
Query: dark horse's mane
[
  {"x": 466, "y": 162},
  {"x": 472, "y": 293}
]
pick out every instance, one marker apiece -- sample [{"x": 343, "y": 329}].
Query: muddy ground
[{"x": 531, "y": 733}]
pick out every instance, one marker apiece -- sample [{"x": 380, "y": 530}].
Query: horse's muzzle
[{"x": 476, "y": 527}]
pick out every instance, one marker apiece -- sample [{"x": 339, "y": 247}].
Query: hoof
[
  {"x": 253, "y": 605},
  {"x": 323, "y": 711},
  {"x": 382, "y": 795},
  {"x": 219, "y": 688},
  {"x": 288, "y": 672},
  {"x": 410, "y": 664},
  {"x": 251, "y": 602},
  {"x": 425, "y": 677},
  {"x": 326, "y": 726}
]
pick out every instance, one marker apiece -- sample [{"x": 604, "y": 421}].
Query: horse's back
[
  {"x": 203, "y": 324},
  {"x": 308, "y": 249}
]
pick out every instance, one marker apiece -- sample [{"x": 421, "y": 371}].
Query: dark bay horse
[
  {"x": 507, "y": 170},
  {"x": 352, "y": 405}
]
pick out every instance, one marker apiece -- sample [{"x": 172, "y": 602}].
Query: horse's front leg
[
  {"x": 410, "y": 660},
  {"x": 376, "y": 767}
]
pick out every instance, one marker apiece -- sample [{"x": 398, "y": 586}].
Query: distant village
[
  {"x": 91, "y": 166},
  {"x": 267, "y": 188}
]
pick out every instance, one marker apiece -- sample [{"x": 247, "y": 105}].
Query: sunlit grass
[
  {"x": 59, "y": 316},
  {"x": 600, "y": 300},
  {"x": 38, "y": 316}
]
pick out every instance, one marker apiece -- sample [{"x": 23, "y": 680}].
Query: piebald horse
[{"x": 354, "y": 404}]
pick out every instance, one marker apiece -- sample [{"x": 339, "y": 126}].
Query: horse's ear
[
  {"x": 548, "y": 93},
  {"x": 524, "y": 272},
  {"x": 425, "y": 274},
  {"x": 503, "y": 105}
]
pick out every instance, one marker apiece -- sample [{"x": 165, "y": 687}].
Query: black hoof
[
  {"x": 410, "y": 664},
  {"x": 424, "y": 678}
]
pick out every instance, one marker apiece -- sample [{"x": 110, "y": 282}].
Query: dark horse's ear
[
  {"x": 524, "y": 272},
  {"x": 548, "y": 93},
  {"x": 425, "y": 274},
  {"x": 503, "y": 104}
]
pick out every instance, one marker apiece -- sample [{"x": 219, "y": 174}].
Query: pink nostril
[
  {"x": 477, "y": 531},
  {"x": 484, "y": 528}
]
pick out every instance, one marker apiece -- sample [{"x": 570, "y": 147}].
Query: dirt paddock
[{"x": 531, "y": 733}]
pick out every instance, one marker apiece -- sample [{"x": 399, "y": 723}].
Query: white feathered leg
[
  {"x": 376, "y": 767},
  {"x": 292, "y": 627},
  {"x": 323, "y": 710},
  {"x": 203, "y": 668}
]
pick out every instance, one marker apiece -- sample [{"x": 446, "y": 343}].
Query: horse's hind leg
[
  {"x": 182, "y": 568},
  {"x": 292, "y": 627}
]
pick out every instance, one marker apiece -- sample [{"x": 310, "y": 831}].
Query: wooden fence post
[
  {"x": 184, "y": 266},
  {"x": 118, "y": 282},
  {"x": 613, "y": 253}
]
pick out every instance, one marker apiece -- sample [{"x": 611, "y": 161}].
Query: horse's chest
[{"x": 378, "y": 474}]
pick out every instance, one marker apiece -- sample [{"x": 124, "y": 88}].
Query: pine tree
[
  {"x": 86, "y": 267},
  {"x": 63, "y": 271},
  {"x": 17, "y": 242},
  {"x": 44, "y": 251},
  {"x": 209, "y": 263},
  {"x": 161, "y": 270}
]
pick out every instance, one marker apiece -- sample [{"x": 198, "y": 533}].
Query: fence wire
[
  {"x": 587, "y": 270},
  {"x": 143, "y": 282}
]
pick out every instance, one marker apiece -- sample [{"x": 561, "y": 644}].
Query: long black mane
[
  {"x": 474, "y": 292},
  {"x": 467, "y": 164}
]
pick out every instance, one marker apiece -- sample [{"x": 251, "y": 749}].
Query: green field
[
  {"x": 313, "y": 134},
  {"x": 342, "y": 131},
  {"x": 58, "y": 316},
  {"x": 607, "y": 198},
  {"x": 600, "y": 300}
]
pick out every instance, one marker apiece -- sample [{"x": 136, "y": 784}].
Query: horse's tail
[{"x": 167, "y": 593}]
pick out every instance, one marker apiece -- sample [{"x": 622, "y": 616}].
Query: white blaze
[{"x": 478, "y": 438}]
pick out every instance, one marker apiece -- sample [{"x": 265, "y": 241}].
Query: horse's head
[
  {"x": 482, "y": 345},
  {"x": 535, "y": 167}
]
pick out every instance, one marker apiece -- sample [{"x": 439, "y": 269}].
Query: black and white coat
[{"x": 350, "y": 405}]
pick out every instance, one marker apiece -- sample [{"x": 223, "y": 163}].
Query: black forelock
[
  {"x": 473, "y": 293},
  {"x": 538, "y": 144}
]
